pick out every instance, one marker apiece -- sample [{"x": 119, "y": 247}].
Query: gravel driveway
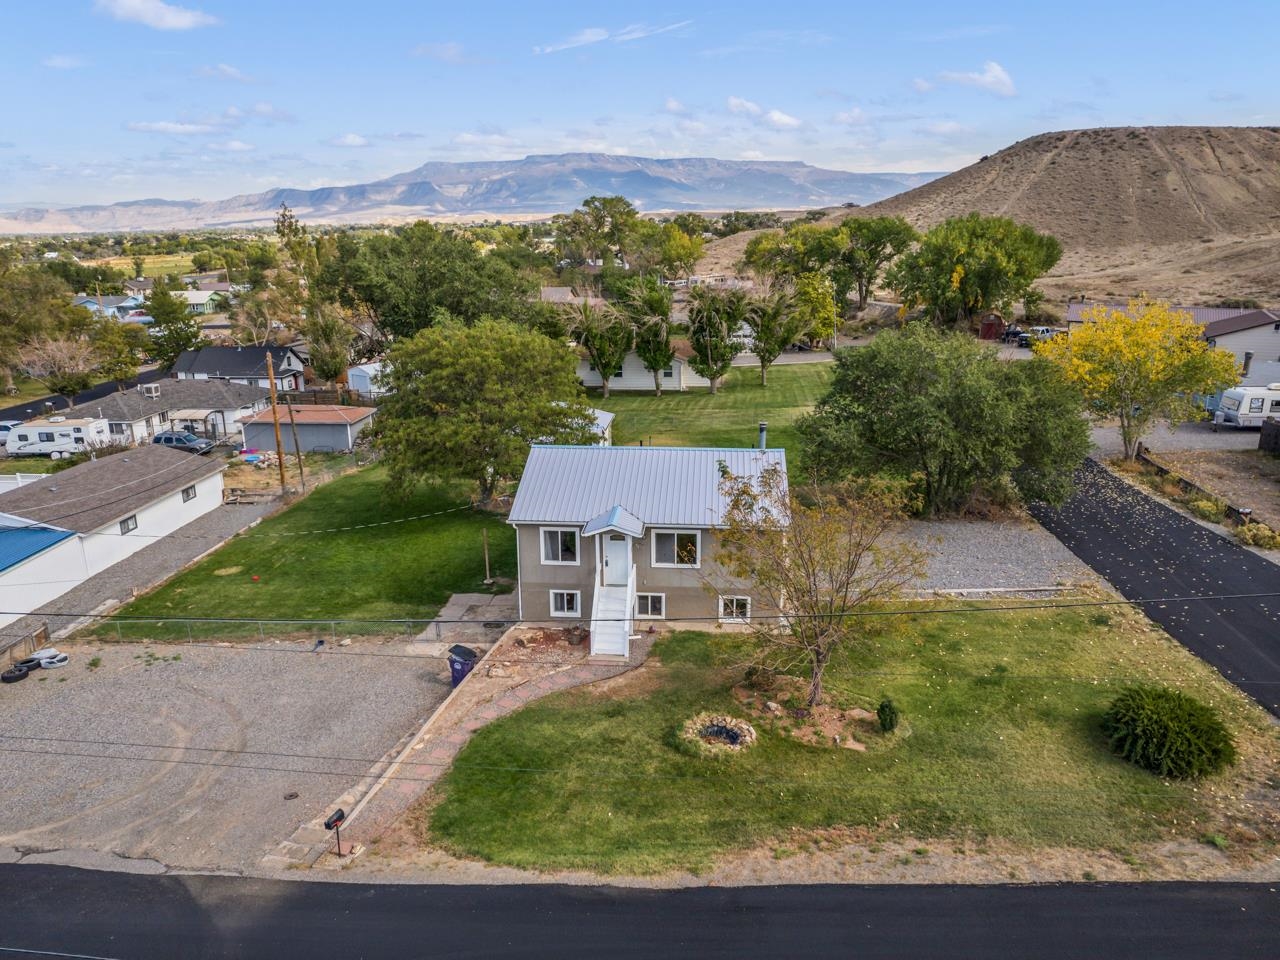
[
  {"x": 88, "y": 757},
  {"x": 1197, "y": 435},
  {"x": 987, "y": 555}
]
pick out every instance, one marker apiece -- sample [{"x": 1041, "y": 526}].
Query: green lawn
[
  {"x": 28, "y": 389},
  {"x": 400, "y": 570},
  {"x": 993, "y": 749},
  {"x": 728, "y": 419},
  {"x": 27, "y": 465},
  {"x": 153, "y": 264}
]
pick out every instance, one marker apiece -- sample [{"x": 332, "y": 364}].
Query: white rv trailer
[
  {"x": 1246, "y": 406},
  {"x": 57, "y": 436}
]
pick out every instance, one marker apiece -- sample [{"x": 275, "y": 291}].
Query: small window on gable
[
  {"x": 559, "y": 545},
  {"x": 188, "y": 493},
  {"x": 129, "y": 524}
]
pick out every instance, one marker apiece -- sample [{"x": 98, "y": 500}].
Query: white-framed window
[
  {"x": 129, "y": 524},
  {"x": 668, "y": 372},
  {"x": 735, "y": 609},
  {"x": 188, "y": 493},
  {"x": 651, "y": 606},
  {"x": 566, "y": 603},
  {"x": 559, "y": 545},
  {"x": 677, "y": 548},
  {"x": 117, "y": 428}
]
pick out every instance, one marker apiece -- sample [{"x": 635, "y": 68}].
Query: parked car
[
  {"x": 5, "y": 427},
  {"x": 183, "y": 440}
]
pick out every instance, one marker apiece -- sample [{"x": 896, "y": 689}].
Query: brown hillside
[{"x": 1191, "y": 213}]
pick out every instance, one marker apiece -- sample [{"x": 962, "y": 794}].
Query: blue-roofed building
[
  {"x": 37, "y": 564},
  {"x": 607, "y": 536}
]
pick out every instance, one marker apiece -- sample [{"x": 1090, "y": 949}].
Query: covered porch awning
[{"x": 616, "y": 519}]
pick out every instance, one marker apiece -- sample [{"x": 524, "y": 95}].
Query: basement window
[{"x": 565, "y": 603}]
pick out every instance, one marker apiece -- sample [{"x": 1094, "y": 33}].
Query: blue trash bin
[{"x": 461, "y": 660}]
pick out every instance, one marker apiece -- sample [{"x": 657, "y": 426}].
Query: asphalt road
[
  {"x": 1148, "y": 551},
  {"x": 69, "y": 912},
  {"x": 33, "y": 408}
]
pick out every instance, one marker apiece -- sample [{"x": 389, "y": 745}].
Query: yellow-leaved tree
[{"x": 1141, "y": 364}]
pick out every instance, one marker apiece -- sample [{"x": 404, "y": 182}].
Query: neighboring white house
[
  {"x": 609, "y": 535},
  {"x": 242, "y": 365},
  {"x": 115, "y": 307},
  {"x": 212, "y": 408},
  {"x": 1201, "y": 315},
  {"x": 66, "y": 527},
  {"x": 366, "y": 378},
  {"x": 1252, "y": 336},
  {"x": 677, "y": 377}
]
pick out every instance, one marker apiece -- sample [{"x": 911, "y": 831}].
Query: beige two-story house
[{"x": 608, "y": 537}]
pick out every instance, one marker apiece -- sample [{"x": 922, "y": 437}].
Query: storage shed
[{"x": 321, "y": 428}]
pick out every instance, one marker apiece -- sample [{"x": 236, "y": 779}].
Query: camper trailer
[
  {"x": 1240, "y": 407},
  {"x": 57, "y": 437}
]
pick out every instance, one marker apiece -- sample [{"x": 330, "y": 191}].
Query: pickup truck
[{"x": 183, "y": 440}]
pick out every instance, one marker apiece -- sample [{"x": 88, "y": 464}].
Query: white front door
[{"x": 617, "y": 559}]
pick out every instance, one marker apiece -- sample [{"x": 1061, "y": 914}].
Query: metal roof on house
[
  {"x": 1245, "y": 321},
  {"x": 616, "y": 518},
  {"x": 20, "y": 542},
  {"x": 231, "y": 361},
  {"x": 1201, "y": 315},
  {"x": 91, "y": 495},
  {"x": 130, "y": 406},
  {"x": 660, "y": 486}
]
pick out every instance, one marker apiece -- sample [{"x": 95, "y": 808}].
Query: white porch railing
[{"x": 612, "y": 616}]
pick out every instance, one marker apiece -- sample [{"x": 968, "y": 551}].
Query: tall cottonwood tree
[
  {"x": 604, "y": 333},
  {"x": 648, "y": 304},
  {"x": 775, "y": 323},
  {"x": 716, "y": 319}
]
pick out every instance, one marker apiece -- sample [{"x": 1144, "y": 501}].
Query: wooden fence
[{"x": 339, "y": 398}]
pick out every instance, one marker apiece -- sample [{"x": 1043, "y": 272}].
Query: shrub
[
  {"x": 1212, "y": 510},
  {"x": 1168, "y": 733},
  {"x": 887, "y": 713},
  {"x": 1258, "y": 535},
  {"x": 761, "y": 679}
]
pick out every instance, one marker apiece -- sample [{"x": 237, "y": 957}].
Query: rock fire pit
[{"x": 714, "y": 735}]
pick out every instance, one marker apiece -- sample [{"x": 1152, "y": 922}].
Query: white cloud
[
  {"x": 853, "y": 117},
  {"x": 450, "y": 52},
  {"x": 590, "y": 35},
  {"x": 469, "y": 139},
  {"x": 174, "y": 127},
  {"x": 156, "y": 14},
  {"x": 921, "y": 85},
  {"x": 674, "y": 106},
  {"x": 943, "y": 128},
  {"x": 781, "y": 121},
  {"x": 224, "y": 71},
  {"x": 348, "y": 140},
  {"x": 582, "y": 38},
  {"x": 993, "y": 78},
  {"x": 232, "y": 146},
  {"x": 741, "y": 106},
  {"x": 62, "y": 61},
  {"x": 266, "y": 111}
]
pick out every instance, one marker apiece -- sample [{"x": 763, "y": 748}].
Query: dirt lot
[
  {"x": 185, "y": 755},
  {"x": 1244, "y": 478}
]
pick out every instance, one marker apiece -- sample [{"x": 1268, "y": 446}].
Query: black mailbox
[{"x": 335, "y": 819}]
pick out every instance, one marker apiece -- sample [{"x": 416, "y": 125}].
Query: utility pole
[
  {"x": 297, "y": 447},
  {"x": 275, "y": 416}
]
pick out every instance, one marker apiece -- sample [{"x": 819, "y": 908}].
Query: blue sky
[{"x": 123, "y": 99}]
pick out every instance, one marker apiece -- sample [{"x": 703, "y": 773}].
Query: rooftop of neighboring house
[
  {"x": 133, "y": 405},
  {"x": 20, "y": 541},
  {"x": 638, "y": 486},
  {"x": 140, "y": 285},
  {"x": 1201, "y": 315},
  {"x": 196, "y": 297},
  {"x": 566, "y": 295},
  {"x": 318, "y": 413},
  {"x": 231, "y": 361},
  {"x": 91, "y": 495},
  {"x": 106, "y": 302},
  {"x": 214, "y": 286},
  {"x": 198, "y": 277},
  {"x": 1243, "y": 321}
]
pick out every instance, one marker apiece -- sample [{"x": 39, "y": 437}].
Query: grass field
[
  {"x": 397, "y": 570},
  {"x": 1000, "y": 739},
  {"x": 728, "y": 419},
  {"x": 27, "y": 465},
  {"x": 153, "y": 265},
  {"x": 28, "y": 389}
]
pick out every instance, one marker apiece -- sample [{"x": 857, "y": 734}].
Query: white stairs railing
[{"x": 611, "y": 618}]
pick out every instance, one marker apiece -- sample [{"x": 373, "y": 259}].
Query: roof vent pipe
[
  {"x": 764, "y": 430},
  {"x": 1248, "y": 362}
]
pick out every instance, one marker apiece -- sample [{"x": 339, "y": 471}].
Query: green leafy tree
[
  {"x": 173, "y": 329},
  {"x": 329, "y": 336},
  {"x": 34, "y": 304},
  {"x": 648, "y": 304},
  {"x": 116, "y": 350},
  {"x": 868, "y": 245},
  {"x": 680, "y": 251},
  {"x": 139, "y": 266},
  {"x": 466, "y": 402},
  {"x": 716, "y": 319},
  {"x": 967, "y": 266},
  {"x": 604, "y": 333},
  {"x": 942, "y": 411},
  {"x": 816, "y": 305},
  {"x": 693, "y": 224},
  {"x": 802, "y": 248},
  {"x": 775, "y": 324}
]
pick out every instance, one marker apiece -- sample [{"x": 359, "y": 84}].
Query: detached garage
[{"x": 321, "y": 429}]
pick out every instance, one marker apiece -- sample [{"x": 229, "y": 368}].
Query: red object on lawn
[{"x": 255, "y": 578}]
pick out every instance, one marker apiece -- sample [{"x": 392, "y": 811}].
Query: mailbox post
[{"x": 334, "y": 823}]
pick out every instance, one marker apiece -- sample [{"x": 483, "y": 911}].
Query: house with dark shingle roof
[
  {"x": 105, "y": 509},
  {"x": 241, "y": 365},
  {"x": 209, "y": 407},
  {"x": 1255, "y": 334}
]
